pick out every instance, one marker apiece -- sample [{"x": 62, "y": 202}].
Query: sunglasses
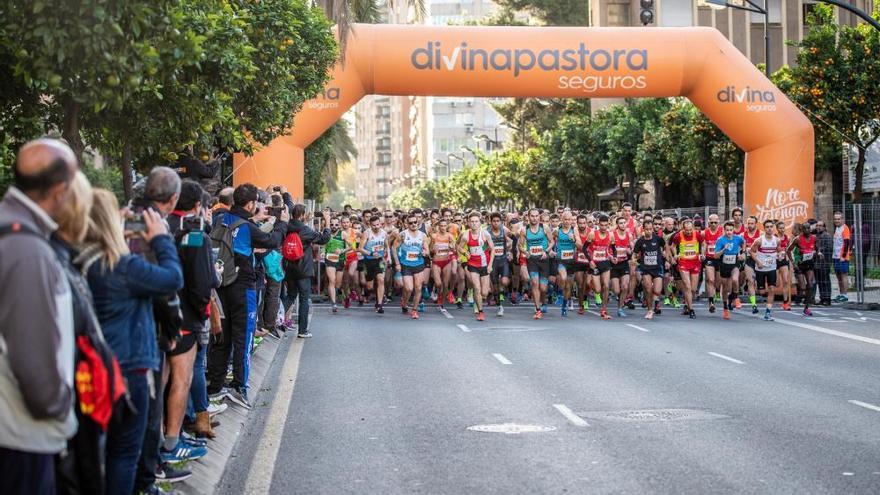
[
  {"x": 713, "y": 223},
  {"x": 412, "y": 223}
]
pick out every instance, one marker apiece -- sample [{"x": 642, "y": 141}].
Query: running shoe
[
  {"x": 346, "y": 303},
  {"x": 767, "y": 316},
  {"x": 218, "y": 396},
  {"x": 360, "y": 302},
  {"x": 649, "y": 315},
  {"x": 273, "y": 332},
  {"x": 434, "y": 297},
  {"x": 191, "y": 440},
  {"x": 712, "y": 307},
  {"x": 458, "y": 303},
  {"x": 538, "y": 314},
  {"x": 621, "y": 313},
  {"x": 380, "y": 309},
  {"x": 182, "y": 452},
  {"x": 737, "y": 303},
  {"x": 581, "y": 310},
  {"x": 450, "y": 298},
  {"x": 304, "y": 335},
  {"x": 564, "y": 310},
  {"x": 692, "y": 314},
  {"x": 630, "y": 304},
  {"x": 421, "y": 306},
  {"x": 586, "y": 304},
  {"x": 675, "y": 302},
  {"x": 726, "y": 314},
  {"x": 215, "y": 408},
  {"x": 786, "y": 306},
  {"x": 480, "y": 316},
  {"x": 604, "y": 315},
  {"x": 754, "y": 309},
  {"x": 169, "y": 474},
  {"x": 414, "y": 315},
  {"x": 353, "y": 295},
  {"x": 543, "y": 308},
  {"x": 666, "y": 301},
  {"x": 239, "y": 396},
  {"x": 500, "y": 310},
  {"x": 807, "y": 312},
  {"x": 657, "y": 308},
  {"x": 598, "y": 299}
]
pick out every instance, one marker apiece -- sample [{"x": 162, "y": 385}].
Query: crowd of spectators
[{"x": 127, "y": 329}]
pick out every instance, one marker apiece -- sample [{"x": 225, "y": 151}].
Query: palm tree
[
  {"x": 342, "y": 150},
  {"x": 345, "y": 12}
]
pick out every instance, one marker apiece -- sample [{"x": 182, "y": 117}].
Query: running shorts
[
  {"x": 554, "y": 266},
  {"x": 841, "y": 266},
  {"x": 781, "y": 263},
  {"x": 726, "y": 269},
  {"x": 538, "y": 268},
  {"x": 690, "y": 266},
  {"x": 409, "y": 271},
  {"x": 579, "y": 267},
  {"x": 619, "y": 270},
  {"x": 185, "y": 343},
  {"x": 500, "y": 269},
  {"x": 764, "y": 278},
  {"x": 713, "y": 262},
  {"x": 570, "y": 266},
  {"x": 483, "y": 271},
  {"x": 373, "y": 267},
  {"x": 806, "y": 266},
  {"x": 653, "y": 271},
  {"x": 602, "y": 267}
]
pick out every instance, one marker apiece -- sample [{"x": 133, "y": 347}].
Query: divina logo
[
  {"x": 329, "y": 98},
  {"x": 755, "y": 99},
  {"x": 518, "y": 60}
]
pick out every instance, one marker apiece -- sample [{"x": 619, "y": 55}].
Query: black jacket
[
  {"x": 199, "y": 276},
  {"x": 244, "y": 245},
  {"x": 305, "y": 267}
]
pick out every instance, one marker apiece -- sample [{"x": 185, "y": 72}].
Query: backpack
[
  {"x": 221, "y": 240},
  {"x": 292, "y": 248},
  {"x": 272, "y": 264}
]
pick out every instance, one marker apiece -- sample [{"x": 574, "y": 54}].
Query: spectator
[
  {"x": 298, "y": 274},
  {"x": 224, "y": 203},
  {"x": 36, "y": 365},
  {"x": 825, "y": 245},
  {"x": 238, "y": 296},
  {"x": 842, "y": 250},
  {"x": 187, "y": 224},
  {"x": 270, "y": 302}
]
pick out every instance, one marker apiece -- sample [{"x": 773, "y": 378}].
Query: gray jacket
[{"x": 36, "y": 335}]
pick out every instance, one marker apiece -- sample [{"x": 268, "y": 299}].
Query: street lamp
[
  {"x": 490, "y": 143},
  {"x": 453, "y": 155},
  {"x": 468, "y": 149},
  {"x": 438, "y": 162}
]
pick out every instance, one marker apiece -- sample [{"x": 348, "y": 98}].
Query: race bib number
[
  {"x": 650, "y": 260},
  {"x": 566, "y": 254},
  {"x": 412, "y": 256},
  {"x": 690, "y": 253},
  {"x": 475, "y": 250},
  {"x": 600, "y": 255},
  {"x": 536, "y": 250},
  {"x": 332, "y": 257},
  {"x": 780, "y": 255},
  {"x": 498, "y": 250},
  {"x": 710, "y": 249},
  {"x": 378, "y": 250},
  {"x": 622, "y": 252},
  {"x": 581, "y": 258},
  {"x": 442, "y": 249},
  {"x": 728, "y": 259},
  {"x": 808, "y": 256}
]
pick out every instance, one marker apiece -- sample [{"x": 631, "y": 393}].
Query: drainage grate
[
  {"x": 647, "y": 415},
  {"x": 511, "y": 428}
]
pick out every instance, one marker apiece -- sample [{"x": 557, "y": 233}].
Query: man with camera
[
  {"x": 236, "y": 236},
  {"x": 190, "y": 224},
  {"x": 298, "y": 274}
]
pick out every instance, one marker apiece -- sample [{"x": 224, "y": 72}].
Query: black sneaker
[
  {"x": 380, "y": 309},
  {"x": 711, "y": 307},
  {"x": 220, "y": 395},
  {"x": 404, "y": 309},
  {"x": 273, "y": 332},
  {"x": 692, "y": 314},
  {"x": 239, "y": 396},
  {"x": 168, "y": 473},
  {"x": 754, "y": 309},
  {"x": 304, "y": 335}
]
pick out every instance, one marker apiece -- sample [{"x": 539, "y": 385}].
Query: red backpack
[{"x": 292, "y": 248}]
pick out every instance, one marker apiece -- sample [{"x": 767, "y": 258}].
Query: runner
[
  {"x": 393, "y": 277},
  {"x": 480, "y": 249},
  {"x": 672, "y": 277},
  {"x": 765, "y": 252},
  {"x": 782, "y": 267},
  {"x": 710, "y": 237},
  {"x": 623, "y": 240},
  {"x": 599, "y": 254},
  {"x": 582, "y": 264},
  {"x": 566, "y": 244},
  {"x": 684, "y": 249},
  {"x": 334, "y": 255},
  {"x": 350, "y": 277},
  {"x": 501, "y": 244},
  {"x": 443, "y": 261},
  {"x": 374, "y": 243},
  {"x": 648, "y": 250},
  {"x": 409, "y": 251},
  {"x": 750, "y": 235},
  {"x": 805, "y": 243},
  {"x": 728, "y": 252},
  {"x": 535, "y": 242}
]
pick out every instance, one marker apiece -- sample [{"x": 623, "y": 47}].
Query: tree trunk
[
  {"x": 70, "y": 130},
  {"x": 127, "y": 186},
  {"x": 860, "y": 174},
  {"x": 658, "y": 194}
]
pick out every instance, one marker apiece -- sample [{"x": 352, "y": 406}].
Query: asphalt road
[{"x": 383, "y": 404}]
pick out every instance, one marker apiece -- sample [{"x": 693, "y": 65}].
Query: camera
[
  {"x": 277, "y": 188},
  {"x": 134, "y": 222},
  {"x": 192, "y": 224},
  {"x": 275, "y": 211}
]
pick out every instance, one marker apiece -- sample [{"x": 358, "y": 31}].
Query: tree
[
  {"x": 324, "y": 157},
  {"x": 551, "y": 12},
  {"x": 836, "y": 81}
]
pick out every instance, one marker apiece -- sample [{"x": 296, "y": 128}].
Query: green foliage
[
  {"x": 316, "y": 156},
  {"x": 109, "y": 178},
  {"x": 551, "y": 12},
  {"x": 836, "y": 81}
]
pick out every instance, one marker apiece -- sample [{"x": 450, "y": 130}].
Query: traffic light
[{"x": 647, "y": 13}]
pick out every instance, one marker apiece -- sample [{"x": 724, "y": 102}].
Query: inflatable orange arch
[{"x": 567, "y": 62}]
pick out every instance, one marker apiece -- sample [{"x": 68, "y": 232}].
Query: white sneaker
[
  {"x": 215, "y": 408},
  {"x": 500, "y": 310}
]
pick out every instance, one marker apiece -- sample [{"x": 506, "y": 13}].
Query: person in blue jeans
[
  {"x": 123, "y": 285},
  {"x": 298, "y": 274}
]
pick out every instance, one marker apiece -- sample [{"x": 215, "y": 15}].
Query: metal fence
[{"x": 863, "y": 221}]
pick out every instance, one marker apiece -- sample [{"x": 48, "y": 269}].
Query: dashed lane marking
[
  {"x": 865, "y": 405},
  {"x": 726, "y": 358},
  {"x": 501, "y": 359},
  {"x": 570, "y": 415},
  {"x": 642, "y": 329},
  {"x": 463, "y": 328}
]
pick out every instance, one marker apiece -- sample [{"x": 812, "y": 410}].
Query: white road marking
[
  {"x": 259, "y": 478},
  {"x": 820, "y": 313},
  {"x": 828, "y": 331},
  {"x": 726, "y": 358},
  {"x": 570, "y": 415},
  {"x": 445, "y": 313},
  {"x": 865, "y": 405},
  {"x": 859, "y": 313},
  {"x": 593, "y": 312},
  {"x": 501, "y": 359},
  {"x": 463, "y": 328},
  {"x": 637, "y": 327},
  {"x": 857, "y": 320}
]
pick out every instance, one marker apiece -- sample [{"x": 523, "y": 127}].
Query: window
[
  {"x": 444, "y": 120},
  {"x": 618, "y": 14},
  {"x": 676, "y": 13},
  {"x": 773, "y": 6},
  {"x": 383, "y": 159},
  {"x": 383, "y": 143},
  {"x": 464, "y": 119}
]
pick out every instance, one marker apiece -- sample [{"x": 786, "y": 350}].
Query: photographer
[
  {"x": 188, "y": 224},
  {"x": 237, "y": 235},
  {"x": 298, "y": 274}
]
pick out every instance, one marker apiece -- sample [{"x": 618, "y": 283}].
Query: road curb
[{"x": 207, "y": 471}]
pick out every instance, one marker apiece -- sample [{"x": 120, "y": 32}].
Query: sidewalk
[{"x": 208, "y": 470}]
